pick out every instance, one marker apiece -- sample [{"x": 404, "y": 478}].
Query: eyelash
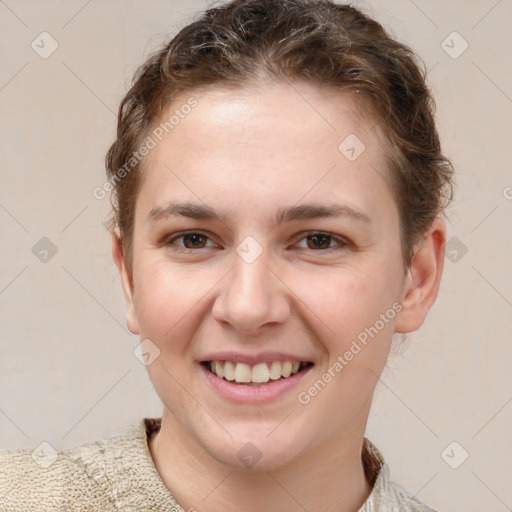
[{"x": 342, "y": 243}]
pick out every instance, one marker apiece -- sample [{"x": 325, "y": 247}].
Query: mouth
[{"x": 258, "y": 374}]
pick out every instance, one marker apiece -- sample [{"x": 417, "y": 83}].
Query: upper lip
[{"x": 261, "y": 357}]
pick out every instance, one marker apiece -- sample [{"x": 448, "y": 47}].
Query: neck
[{"x": 329, "y": 478}]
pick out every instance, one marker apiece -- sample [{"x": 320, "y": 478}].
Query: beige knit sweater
[{"x": 118, "y": 474}]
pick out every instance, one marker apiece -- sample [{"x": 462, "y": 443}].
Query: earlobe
[
  {"x": 423, "y": 279},
  {"x": 126, "y": 282}
]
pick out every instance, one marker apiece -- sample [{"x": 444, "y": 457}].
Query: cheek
[
  {"x": 164, "y": 299},
  {"x": 351, "y": 306},
  {"x": 356, "y": 315},
  {"x": 348, "y": 299}
]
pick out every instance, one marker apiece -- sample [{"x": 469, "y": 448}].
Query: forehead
[
  {"x": 276, "y": 143},
  {"x": 246, "y": 114}
]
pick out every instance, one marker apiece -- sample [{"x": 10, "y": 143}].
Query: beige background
[{"x": 67, "y": 371}]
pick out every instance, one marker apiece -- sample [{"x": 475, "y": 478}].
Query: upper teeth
[{"x": 259, "y": 373}]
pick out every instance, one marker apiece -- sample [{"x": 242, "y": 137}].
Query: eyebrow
[{"x": 290, "y": 214}]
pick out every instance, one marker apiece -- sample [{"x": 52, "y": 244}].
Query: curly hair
[{"x": 333, "y": 46}]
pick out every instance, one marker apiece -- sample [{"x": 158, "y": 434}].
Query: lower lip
[{"x": 242, "y": 393}]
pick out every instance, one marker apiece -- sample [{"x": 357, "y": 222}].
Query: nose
[{"x": 252, "y": 296}]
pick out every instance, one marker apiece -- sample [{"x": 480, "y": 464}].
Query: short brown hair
[{"x": 318, "y": 41}]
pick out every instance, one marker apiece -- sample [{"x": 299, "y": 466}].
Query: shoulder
[
  {"x": 386, "y": 495},
  {"x": 395, "y": 495},
  {"x": 79, "y": 478}
]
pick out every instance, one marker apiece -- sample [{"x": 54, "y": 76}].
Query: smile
[{"x": 257, "y": 374}]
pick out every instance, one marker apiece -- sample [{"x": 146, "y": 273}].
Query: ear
[
  {"x": 423, "y": 278},
  {"x": 126, "y": 282}
]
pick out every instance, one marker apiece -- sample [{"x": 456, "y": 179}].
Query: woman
[{"x": 278, "y": 185}]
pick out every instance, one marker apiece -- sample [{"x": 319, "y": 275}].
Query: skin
[{"x": 250, "y": 152}]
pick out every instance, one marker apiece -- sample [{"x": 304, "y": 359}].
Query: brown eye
[
  {"x": 194, "y": 240},
  {"x": 322, "y": 241},
  {"x": 319, "y": 241},
  {"x": 191, "y": 240}
]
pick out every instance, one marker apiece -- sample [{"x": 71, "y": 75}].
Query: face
[{"x": 263, "y": 235}]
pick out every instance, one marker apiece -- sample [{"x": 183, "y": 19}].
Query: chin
[{"x": 255, "y": 453}]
